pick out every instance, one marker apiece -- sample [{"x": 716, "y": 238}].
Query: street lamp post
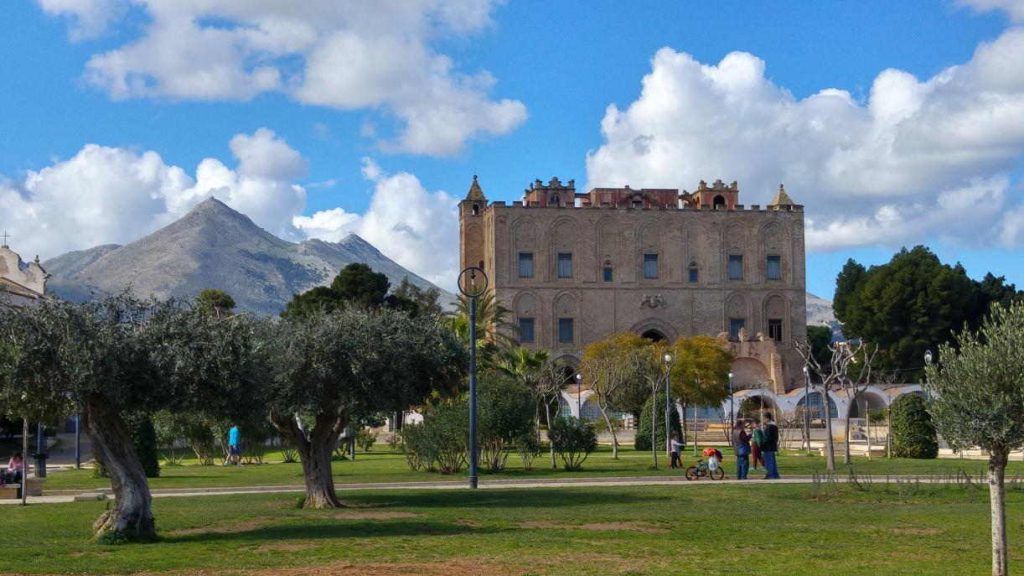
[
  {"x": 579, "y": 395},
  {"x": 807, "y": 407},
  {"x": 732, "y": 410},
  {"x": 927, "y": 362},
  {"x": 472, "y": 283},
  {"x": 668, "y": 387}
]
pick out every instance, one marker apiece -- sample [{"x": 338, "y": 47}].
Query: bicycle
[{"x": 701, "y": 470}]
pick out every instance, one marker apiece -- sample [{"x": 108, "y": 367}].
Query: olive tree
[
  {"x": 610, "y": 366},
  {"x": 978, "y": 400},
  {"x": 118, "y": 357},
  {"x": 330, "y": 368}
]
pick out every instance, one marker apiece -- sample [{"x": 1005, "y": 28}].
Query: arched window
[
  {"x": 554, "y": 201},
  {"x": 476, "y": 209},
  {"x": 694, "y": 273},
  {"x": 718, "y": 202}
]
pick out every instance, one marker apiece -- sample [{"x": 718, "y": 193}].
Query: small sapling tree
[{"x": 978, "y": 400}]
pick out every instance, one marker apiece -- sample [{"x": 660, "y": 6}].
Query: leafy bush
[
  {"x": 365, "y": 439},
  {"x": 528, "y": 447},
  {"x": 507, "y": 414},
  {"x": 573, "y": 440},
  {"x": 643, "y": 429},
  {"x": 913, "y": 434},
  {"x": 439, "y": 443}
]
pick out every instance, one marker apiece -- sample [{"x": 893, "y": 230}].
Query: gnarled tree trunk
[
  {"x": 315, "y": 449},
  {"x": 131, "y": 518},
  {"x": 830, "y": 451},
  {"x": 996, "y": 472}
]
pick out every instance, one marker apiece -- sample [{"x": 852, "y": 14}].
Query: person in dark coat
[
  {"x": 741, "y": 444},
  {"x": 769, "y": 446}
]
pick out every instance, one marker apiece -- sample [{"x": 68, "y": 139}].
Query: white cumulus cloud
[
  {"x": 342, "y": 54},
  {"x": 919, "y": 159},
  {"x": 105, "y": 195},
  {"x": 411, "y": 225}
]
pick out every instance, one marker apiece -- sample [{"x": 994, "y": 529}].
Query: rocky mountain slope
[{"x": 214, "y": 246}]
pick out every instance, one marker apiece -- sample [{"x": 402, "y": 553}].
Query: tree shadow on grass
[
  {"x": 326, "y": 530},
  {"x": 505, "y": 498}
]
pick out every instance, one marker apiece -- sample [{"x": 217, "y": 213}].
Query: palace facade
[
  {"x": 21, "y": 284},
  {"x": 576, "y": 267}
]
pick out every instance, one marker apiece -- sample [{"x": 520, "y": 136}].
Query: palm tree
[{"x": 494, "y": 332}]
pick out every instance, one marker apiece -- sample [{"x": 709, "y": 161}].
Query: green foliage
[
  {"x": 493, "y": 329},
  {"x": 365, "y": 439},
  {"x": 528, "y": 447},
  {"x": 144, "y": 438},
  {"x": 215, "y": 302},
  {"x": 357, "y": 284},
  {"x": 642, "y": 441},
  {"x": 321, "y": 299},
  {"x": 506, "y": 415},
  {"x": 573, "y": 440},
  {"x": 911, "y": 304},
  {"x": 700, "y": 372},
  {"x": 426, "y": 302},
  {"x": 819, "y": 338},
  {"x": 439, "y": 443},
  {"x": 978, "y": 389},
  {"x": 913, "y": 434}
]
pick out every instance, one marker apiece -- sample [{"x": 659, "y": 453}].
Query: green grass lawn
[
  {"x": 381, "y": 466},
  {"x": 690, "y": 529}
]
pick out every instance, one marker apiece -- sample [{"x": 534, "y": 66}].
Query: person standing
[
  {"x": 741, "y": 444},
  {"x": 756, "y": 439},
  {"x": 675, "y": 448},
  {"x": 234, "y": 445},
  {"x": 769, "y": 446}
]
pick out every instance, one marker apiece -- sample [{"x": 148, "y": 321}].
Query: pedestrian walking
[
  {"x": 769, "y": 446},
  {"x": 756, "y": 439},
  {"x": 234, "y": 445},
  {"x": 741, "y": 444},
  {"x": 675, "y": 449}
]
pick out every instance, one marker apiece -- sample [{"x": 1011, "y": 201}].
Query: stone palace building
[
  {"x": 21, "y": 284},
  {"x": 575, "y": 267}
]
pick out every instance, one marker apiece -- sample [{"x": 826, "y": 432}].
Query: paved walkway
[{"x": 99, "y": 494}]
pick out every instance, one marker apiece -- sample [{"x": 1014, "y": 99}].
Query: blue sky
[{"x": 356, "y": 161}]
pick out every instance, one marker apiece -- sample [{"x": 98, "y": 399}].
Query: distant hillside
[{"x": 214, "y": 246}]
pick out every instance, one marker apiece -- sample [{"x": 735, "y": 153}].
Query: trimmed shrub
[
  {"x": 913, "y": 433},
  {"x": 439, "y": 443},
  {"x": 643, "y": 429},
  {"x": 365, "y": 439},
  {"x": 573, "y": 440},
  {"x": 507, "y": 411}
]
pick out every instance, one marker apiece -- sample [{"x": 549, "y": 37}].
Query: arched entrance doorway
[
  {"x": 718, "y": 202},
  {"x": 654, "y": 335},
  {"x": 865, "y": 403}
]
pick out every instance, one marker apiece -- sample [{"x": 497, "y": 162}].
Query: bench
[{"x": 13, "y": 491}]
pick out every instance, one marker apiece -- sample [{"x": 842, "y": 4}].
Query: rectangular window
[
  {"x": 565, "y": 331},
  {"x": 735, "y": 325},
  {"x": 650, "y": 266},
  {"x": 735, "y": 267},
  {"x": 694, "y": 276},
  {"x": 526, "y": 331},
  {"x": 526, "y": 264},
  {"x": 608, "y": 274},
  {"x": 565, "y": 265},
  {"x": 774, "y": 267},
  {"x": 775, "y": 329}
]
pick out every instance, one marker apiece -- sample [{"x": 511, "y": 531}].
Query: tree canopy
[
  {"x": 358, "y": 286},
  {"x": 912, "y": 304},
  {"x": 215, "y": 302}
]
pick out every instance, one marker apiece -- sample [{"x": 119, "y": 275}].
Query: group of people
[
  {"x": 757, "y": 442},
  {"x": 15, "y": 470},
  {"x": 751, "y": 440}
]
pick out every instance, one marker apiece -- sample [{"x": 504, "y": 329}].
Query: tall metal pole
[
  {"x": 473, "y": 478},
  {"x": 807, "y": 407},
  {"x": 78, "y": 441},
  {"x": 472, "y": 283},
  {"x": 24, "y": 461},
  {"x": 579, "y": 396},
  {"x": 732, "y": 410}
]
